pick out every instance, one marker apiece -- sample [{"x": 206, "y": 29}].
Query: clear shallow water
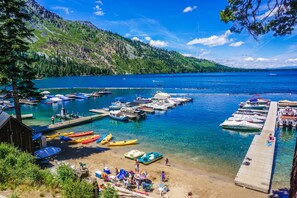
[{"x": 189, "y": 133}]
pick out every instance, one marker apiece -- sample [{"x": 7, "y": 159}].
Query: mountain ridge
[{"x": 64, "y": 48}]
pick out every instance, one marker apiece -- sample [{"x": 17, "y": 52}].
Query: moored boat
[
  {"x": 123, "y": 143},
  {"x": 106, "y": 139},
  {"x": 57, "y": 134},
  {"x": 91, "y": 139},
  {"x": 118, "y": 115},
  {"x": 81, "y": 134},
  {"x": 133, "y": 154},
  {"x": 149, "y": 157},
  {"x": 241, "y": 125}
]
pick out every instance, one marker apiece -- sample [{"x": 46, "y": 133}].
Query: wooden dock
[
  {"x": 100, "y": 111},
  {"x": 69, "y": 123},
  {"x": 255, "y": 171}
]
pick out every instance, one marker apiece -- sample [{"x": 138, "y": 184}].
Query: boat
[
  {"x": 259, "y": 117},
  {"x": 118, "y": 115},
  {"x": 101, "y": 138},
  {"x": 147, "y": 109},
  {"x": 91, "y": 139},
  {"x": 80, "y": 96},
  {"x": 116, "y": 106},
  {"x": 141, "y": 100},
  {"x": 258, "y": 101},
  {"x": 149, "y": 158},
  {"x": 252, "y": 106},
  {"x": 65, "y": 138},
  {"x": 104, "y": 91},
  {"x": 123, "y": 143},
  {"x": 81, "y": 134},
  {"x": 133, "y": 154},
  {"x": 62, "y": 97},
  {"x": 106, "y": 139},
  {"x": 246, "y": 118},
  {"x": 62, "y": 134},
  {"x": 241, "y": 125},
  {"x": 161, "y": 96},
  {"x": 285, "y": 103},
  {"x": 79, "y": 140},
  {"x": 55, "y": 99}
]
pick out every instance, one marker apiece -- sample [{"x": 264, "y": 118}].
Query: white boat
[
  {"x": 241, "y": 125},
  {"x": 62, "y": 97},
  {"x": 161, "y": 96},
  {"x": 258, "y": 101},
  {"x": 133, "y": 154},
  {"x": 246, "y": 118},
  {"x": 118, "y": 115},
  {"x": 55, "y": 99},
  {"x": 288, "y": 111},
  {"x": 252, "y": 106},
  {"x": 259, "y": 117}
]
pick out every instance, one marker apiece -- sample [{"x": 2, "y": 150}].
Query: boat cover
[
  {"x": 36, "y": 136},
  {"x": 47, "y": 152}
]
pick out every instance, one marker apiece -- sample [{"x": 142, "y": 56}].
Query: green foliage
[
  {"x": 65, "y": 173},
  {"x": 260, "y": 17},
  {"x": 77, "y": 189},
  {"x": 109, "y": 192}
]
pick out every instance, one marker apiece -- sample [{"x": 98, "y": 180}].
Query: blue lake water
[{"x": 190, "y": 133}]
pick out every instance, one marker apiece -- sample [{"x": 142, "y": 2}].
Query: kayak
[
  {"x": 57, "y": 134},
  {"x": 79, "y": 140},
  {"x": 122, "y": 143},
  {"x": 64, "y": 138},
  {"x": 91, "y": 139},
  {"x": 101, "y": 138},
  {"x": 106, "y": 139},
  {"x": 81, "y": 134}
]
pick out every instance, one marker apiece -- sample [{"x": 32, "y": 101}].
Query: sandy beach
[{"x": 181, "y": 179}]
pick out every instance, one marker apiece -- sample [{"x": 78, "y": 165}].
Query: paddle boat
[
  {"x": 106, "y": 139},
  {"x": 101, "y": 138},
  {"x": 133, "y": 154},
  {"x": 81, "y": 134},
  {"x": 58, "y": 134},
  {"x": 241, "y": 125},
  {"x": 123, "y": 143},
  {"x": 118, "y": 115},
  {"x": 149, "y": 158},
  {"x": 91, "y": 139}
]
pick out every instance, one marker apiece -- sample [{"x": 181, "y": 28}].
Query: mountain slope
[{"x": 79, "y": 48}]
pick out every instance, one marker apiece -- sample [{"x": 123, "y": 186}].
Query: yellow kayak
[
  {"x": 106, "y": 139},
  {"x": 57, "y": 134},
  {"x": 123, "y": 143}
]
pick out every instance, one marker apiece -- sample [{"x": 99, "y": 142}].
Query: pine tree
[{"x": 14, "y": 40}]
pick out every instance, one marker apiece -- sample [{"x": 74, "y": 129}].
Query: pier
[
  {"x": 69, "y": 123},
  {"x": 255, "y": 171},
  {"x": 100, "y": 111}
]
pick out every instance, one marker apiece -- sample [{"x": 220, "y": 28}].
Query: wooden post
[{"x": 293, "y": 189}]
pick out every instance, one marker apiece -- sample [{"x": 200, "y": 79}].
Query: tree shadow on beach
[
  {"x": 74, "y": 152},
  {"x": 280, "y": 193}
]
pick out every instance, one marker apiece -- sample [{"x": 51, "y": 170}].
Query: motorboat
[
  {"x": 252, "y": 106},
  {"x": 62, "y": 97},
  {"x": 246, "y": 118},
  {"x": 241, "y": 125},
  {"x": 118, "y": 115},
  {"x": 259, "y": 117}
]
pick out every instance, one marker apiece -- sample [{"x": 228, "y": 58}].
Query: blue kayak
[
  {"x": 64, "y": 138},
  {"x": 101, "y": 138}
]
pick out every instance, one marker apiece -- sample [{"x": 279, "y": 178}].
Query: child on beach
[
  {"x": 163, "y": 176},
  {"x": 136, "y": 166},
  {"x": 166, "y": 162}
]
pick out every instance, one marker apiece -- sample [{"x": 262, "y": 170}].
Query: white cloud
[
  {"x": 249, "y": 59},
  {"x": 158, "y": 43},
  {"x": 135, "y": 39},
  {"x": 236, "y": 44},
  {"x": 147, "y": 38},
  {"x": 213, "y": 40},
  {"x": 98, "y": 11},
  {"x": 64, "y": 9},
  {"x": 189, "y": 9},
  {"x": 292, "y": 60},
  {"x": 99, "y": 2}
]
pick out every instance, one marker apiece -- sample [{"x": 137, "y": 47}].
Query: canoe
[
  {"x": 65, "y": 138},
  {"x": 106, "y": 139},
  {"x": 101, "y": 138},
  {"x": 57, "y": 135},
  {"x": 91, "y": 139},
  {"x": 149, "y": 157},
  {"x": 122, "y": 143},
  {"x": 81, "y": 134},
  {"x": 133, "y": 154}
]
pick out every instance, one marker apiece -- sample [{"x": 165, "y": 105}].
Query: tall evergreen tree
[{"x": 14, "y": 40}]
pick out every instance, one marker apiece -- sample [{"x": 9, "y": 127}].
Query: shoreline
[{"x": 182, "y": 179}]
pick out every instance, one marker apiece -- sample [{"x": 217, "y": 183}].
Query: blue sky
[{"x": 191, "y": 27}]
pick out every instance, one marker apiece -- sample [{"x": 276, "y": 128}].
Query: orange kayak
[
  {"x": 91, "y": 139},
  {"x": 81, "y": 134}
]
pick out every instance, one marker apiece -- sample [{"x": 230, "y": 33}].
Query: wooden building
[{"x": 16, "y": 133}]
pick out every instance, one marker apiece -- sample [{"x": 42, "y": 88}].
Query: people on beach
[
  {"x": 190, "y": 194},
  {"x": 136, "y": 166},
  {"x": 163, "y": 176},
  {"x": 116, "y": 171},
  {"x": 166, "y": 162},
  {"x": 53, "y": 119}
]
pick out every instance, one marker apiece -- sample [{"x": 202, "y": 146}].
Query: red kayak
[
  {"x": 91, "y": 139},
  {"x": 81, "y": 134}
]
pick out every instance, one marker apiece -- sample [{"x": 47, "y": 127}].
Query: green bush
[
  {"x": 77, "y": 189},
  {"x": 109, "y": 192},
  {"x": 65, "y": 173}
]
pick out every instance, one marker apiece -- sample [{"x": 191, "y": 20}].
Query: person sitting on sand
[{"x": 163, "y": 176}]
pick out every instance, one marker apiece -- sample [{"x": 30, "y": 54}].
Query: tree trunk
[
  {"x": 16, "y": 101},
  {"x": 293, "y": 189}
]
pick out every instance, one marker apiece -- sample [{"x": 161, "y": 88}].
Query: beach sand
[{"x": 181, "y": 179}]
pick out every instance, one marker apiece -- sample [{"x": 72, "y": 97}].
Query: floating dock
[
  {"x": 69, "y": 123},
  {"x": 255, "y": 171}
]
